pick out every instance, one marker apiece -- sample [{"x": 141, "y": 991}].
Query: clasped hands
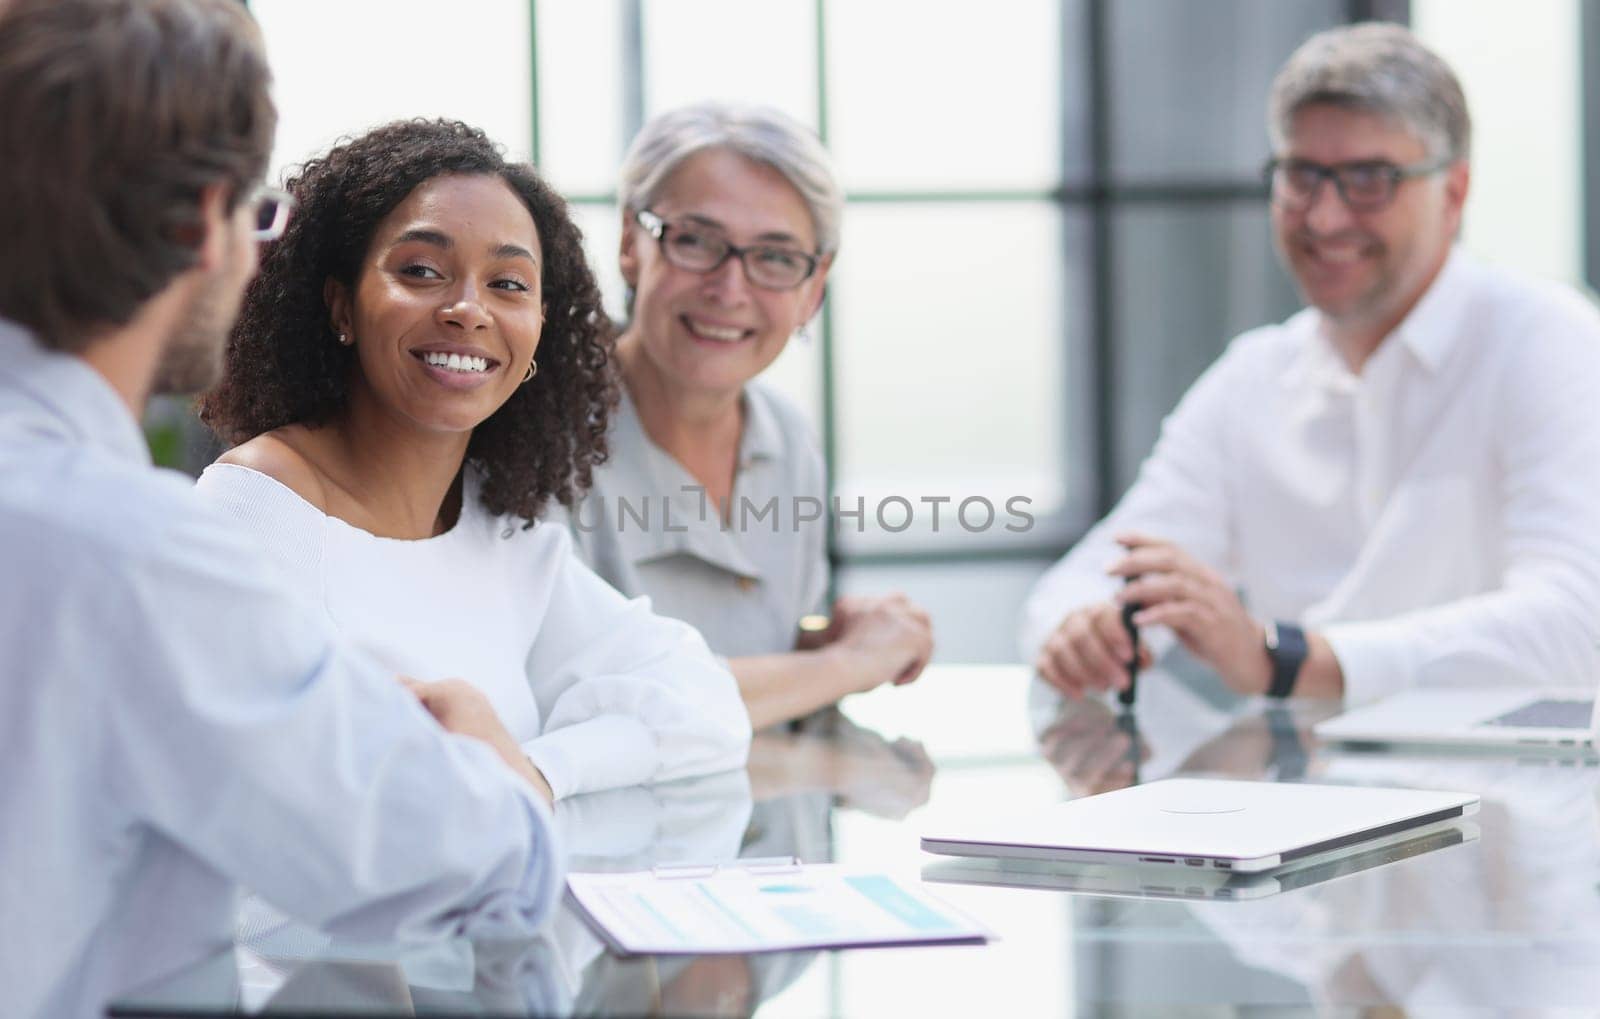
[
  {"x": 1090, "y": 649},
  {"x": 884, "y": 639}
]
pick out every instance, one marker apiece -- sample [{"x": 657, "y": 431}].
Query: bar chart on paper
[{"x": 741, "y": 909}]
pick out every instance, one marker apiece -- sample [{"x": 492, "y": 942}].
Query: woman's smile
[
  {"x": 455, "y": 365},
  {"x": 711, "y": 332}
]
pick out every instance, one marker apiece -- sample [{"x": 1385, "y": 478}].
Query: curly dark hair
[{"x": 284, "y": 366}]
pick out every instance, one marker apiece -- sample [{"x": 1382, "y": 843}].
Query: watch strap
[{"x": 1287, "y": 649}]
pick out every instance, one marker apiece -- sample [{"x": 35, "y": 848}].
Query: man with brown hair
[{"x": 171, "y": 725}]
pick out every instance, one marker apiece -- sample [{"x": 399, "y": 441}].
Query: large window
[
  {"x": 1054, "y": 223},
  {"x": 938, "y": 367}
]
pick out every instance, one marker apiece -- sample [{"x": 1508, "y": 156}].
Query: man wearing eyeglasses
[
  {"x": 172, "y": 725},
  {"x": 1401, "y": 479}
]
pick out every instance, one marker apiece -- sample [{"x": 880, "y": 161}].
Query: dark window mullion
[
  {"x": 828, "y": 412},
  {"x": 1067, "y": 197},
  {"x": 1102, "y": 316},
  {"x": 1090, "y": 194},
  {"x": 1378, "y": 10}
]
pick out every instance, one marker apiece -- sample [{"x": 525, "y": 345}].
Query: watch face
[{"x": 1271, "y": 629}]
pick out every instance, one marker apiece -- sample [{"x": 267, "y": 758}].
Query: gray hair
[
  {"x": 758, "y": 133},
  {"x": 1380, "y": 68}
]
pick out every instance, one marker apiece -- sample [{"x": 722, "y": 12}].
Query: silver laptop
[
  {"x": 1196, "y": 883},
  {"x": 1559, "y": 719},
  {"x": 1206, "y": 824}
]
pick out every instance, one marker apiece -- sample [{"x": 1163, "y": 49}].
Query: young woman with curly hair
[{"x": 420, "y": 367}]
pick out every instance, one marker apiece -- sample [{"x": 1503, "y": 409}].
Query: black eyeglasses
[
  {"x": 698, "y": 248},
  {"x": 1366, "y": 185}
]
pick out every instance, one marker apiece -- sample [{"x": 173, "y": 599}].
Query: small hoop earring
[{"x": 533, "y": 369}]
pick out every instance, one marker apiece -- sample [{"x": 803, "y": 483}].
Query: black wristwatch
[{"x": 1286, "y": 648}]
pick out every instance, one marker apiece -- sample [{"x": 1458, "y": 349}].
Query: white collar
[{"x": 1428, "y": 333}]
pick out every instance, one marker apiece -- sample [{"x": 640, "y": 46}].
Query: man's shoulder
[
  {"x": 1519, "y": 296},
  {"x": 1523, "y": 323},
  {"x": 73, "y": 505}
]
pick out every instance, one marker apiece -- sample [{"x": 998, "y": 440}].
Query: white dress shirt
[
  {"x": 600, "y": 691},
  {"x": 173, "y": 724},
  {"x": 1436, "y": 518}
]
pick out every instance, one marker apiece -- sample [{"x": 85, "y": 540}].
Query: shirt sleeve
[
  {"x": 244, "y": 732},
  {"x": 1540, "y": 626},
  {"x": 1180, "y": 495},
  {"x": 627, "y": 696}
]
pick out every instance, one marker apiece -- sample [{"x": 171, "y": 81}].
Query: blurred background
[{"x": 1055, "y": 213}]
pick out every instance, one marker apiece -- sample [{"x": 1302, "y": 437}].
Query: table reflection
[
  {"x": 1506, "y": 916},
  {"x": 782, "y": 805},
  {"x": 1487, "y": 928},
  {"x": 1499, "y": 916},
  {"x": 797, "y": 778}
]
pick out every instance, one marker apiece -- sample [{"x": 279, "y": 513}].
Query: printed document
[{"x": 739, "y": 909}]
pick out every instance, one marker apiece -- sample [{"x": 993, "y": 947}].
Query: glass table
[{"x": 1499, "y": 916}]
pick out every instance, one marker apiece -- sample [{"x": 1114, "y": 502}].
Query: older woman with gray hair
[{"x": 713, "y": 501}]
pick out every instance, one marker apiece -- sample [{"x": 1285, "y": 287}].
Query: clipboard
[{"x": 753, "y": 906}]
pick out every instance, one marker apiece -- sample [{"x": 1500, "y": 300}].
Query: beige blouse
[{"x": 649, "y": 528}]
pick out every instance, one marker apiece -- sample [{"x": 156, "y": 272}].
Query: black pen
[
  {"x": 1125, "y": 720},
  {"x": 1126, "y": 695},
  {"x": 1129, "y": 727}
]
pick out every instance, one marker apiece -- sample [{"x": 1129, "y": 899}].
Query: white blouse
[{"x": 600, "y": 691}]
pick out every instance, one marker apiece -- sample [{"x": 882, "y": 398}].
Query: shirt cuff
[
  {"x": 605, "y": 752},
  {"x": 517, "y": 914},
  {"x": 1376, "y": 658}
]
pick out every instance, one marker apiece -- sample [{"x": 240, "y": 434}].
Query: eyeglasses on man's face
[
  {"x": 270, "y": 208},
  {"x": 1367, "y": 185},
  {"x": 700, "y": 248}
]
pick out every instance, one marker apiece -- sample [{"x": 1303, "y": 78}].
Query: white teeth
[
  {"x": 1338, "y": 254},
  {"x": 455, "y": 362},
  {"x": 718, "y": 333}
]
